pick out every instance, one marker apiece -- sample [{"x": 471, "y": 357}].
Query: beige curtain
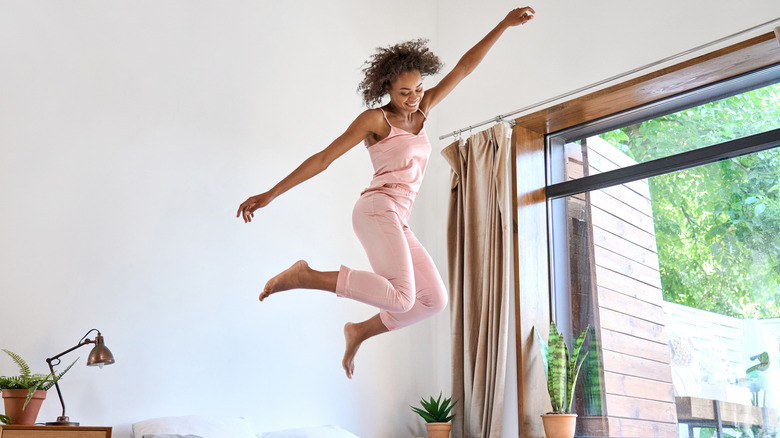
[{"x": 479, "y": 249}]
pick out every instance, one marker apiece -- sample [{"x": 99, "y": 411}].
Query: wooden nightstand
[{"x": 54, "y": 432}]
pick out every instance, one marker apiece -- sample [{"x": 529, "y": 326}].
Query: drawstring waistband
[{"x": 401, "y": 189}]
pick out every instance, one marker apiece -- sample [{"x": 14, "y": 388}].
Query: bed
[{"x": 199, "y": 426}]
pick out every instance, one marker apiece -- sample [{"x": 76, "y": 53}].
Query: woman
[{"x": 405, "y": 284}]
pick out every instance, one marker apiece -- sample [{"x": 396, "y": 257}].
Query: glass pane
[
  {"x": 679, "y": 278},
  {"x": 716, "y": 122}
]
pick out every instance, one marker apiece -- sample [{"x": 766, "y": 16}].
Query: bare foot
[
  {"x": 291, "y": 278},
  {"x": 352, "y": 337}
]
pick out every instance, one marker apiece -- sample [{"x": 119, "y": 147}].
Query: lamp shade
[{"x": 100, "y": 354}]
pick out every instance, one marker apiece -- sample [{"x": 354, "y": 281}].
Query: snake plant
[
  {"x": 29, "y": 380},
  {"x": 561, "y": 369}
]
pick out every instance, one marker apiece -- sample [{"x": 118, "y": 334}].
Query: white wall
[
  {"x": 131, "y": 130},
  {"x": 129, "y": 133}
]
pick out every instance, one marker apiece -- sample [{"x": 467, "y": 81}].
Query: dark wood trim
[{"x": 753, "y": 54}]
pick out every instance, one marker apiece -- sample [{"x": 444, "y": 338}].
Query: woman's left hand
[{"x": 519, "y": 16}]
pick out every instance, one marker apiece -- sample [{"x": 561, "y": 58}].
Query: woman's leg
[
  {"x": 431, "y": 298},
  {"x": 381, "y": 232},
  {"x": 301, "y": 276},
  {"x": 431, "y": 295},
  {"x": 354, "y": 335}
]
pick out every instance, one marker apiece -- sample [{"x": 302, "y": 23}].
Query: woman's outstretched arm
[
  {"x": 355, "y": 133},
  {"x": 469, "y": 61}
]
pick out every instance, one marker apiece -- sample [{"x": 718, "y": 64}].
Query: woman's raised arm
[
  {"x": 471, "y": 59},
  {"x": 363, "y": 125}
]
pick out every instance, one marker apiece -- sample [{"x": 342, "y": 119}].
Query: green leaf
[
  {"x": 574, "y": 369},
  {"x": 544, "y": 350},
  {"x": 24, "y": 369},
  {"x": 556, "y": 373}
]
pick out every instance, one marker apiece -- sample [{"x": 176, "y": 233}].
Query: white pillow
[
  {"x": 202, "y": 426},
  {"x": 311, "y": 432}
]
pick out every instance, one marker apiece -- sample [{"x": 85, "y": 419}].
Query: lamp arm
[
  {"x": 81, "y": 344},
  {"x": 51, "y": 360}
]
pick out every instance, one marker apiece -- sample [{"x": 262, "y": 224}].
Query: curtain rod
[{"x": 503, "y": 117}]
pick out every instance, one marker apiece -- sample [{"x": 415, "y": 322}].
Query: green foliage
[
  {"x": 436, "y": 411},
  {"x": 4, "y": 419},
  {"x": 29, "y": 380},
  {"x": 561, "y": 369},
  {"x": 716, "y": 225}
]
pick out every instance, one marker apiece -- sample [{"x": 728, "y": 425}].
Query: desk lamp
[{"x": 100, "y": 355}]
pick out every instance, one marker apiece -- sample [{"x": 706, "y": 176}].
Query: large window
[{"x": 665, "y": 237}]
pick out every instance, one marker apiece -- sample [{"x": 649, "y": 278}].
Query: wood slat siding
[
  {"x": 628, "y": 286},
  {"x": 639, "y": 387},
  {"x": 614, "y": 225},
  {"x": 623, "y": 211},
  {"x": 610, "y": 258},
  {"x": 531, "y": 250},
  {"x": 631, "y": 250},
  {"x": 634, "y": 348},
  {"x": 622, "y": 323},
  {"x": 629, "y": 196},
  {"x": 629, "y": 365},
  {"x": 639, "y": 428},
  {"x": 636, "y": 408},
  {"x": 633, "y": 345}
]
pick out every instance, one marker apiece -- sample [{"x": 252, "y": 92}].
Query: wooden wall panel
[
  {"x": 621, "y": 384},
  {"x": 636, "y": 408},
  {"x": 638, "y": 428},
  {"x": 612, "y": 282},
  {"x": 628, "y": 249},
  {"x": 637, "y": 367},
  {"x": 632, "y": 325},
  {"x": 633, "y": 345}
]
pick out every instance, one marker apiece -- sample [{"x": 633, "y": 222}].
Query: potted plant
[
  {"x": 561, "y": 371},
  {"x": 24, "y": 394},
  {"x": 436, "y": 414}
]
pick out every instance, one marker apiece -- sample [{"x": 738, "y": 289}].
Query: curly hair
[{"x": 387, "y": 63}]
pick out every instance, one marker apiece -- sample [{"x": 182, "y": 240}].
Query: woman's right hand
[
  {"x": 248, "y": 207},
  {"x": 519, "y": 16}
]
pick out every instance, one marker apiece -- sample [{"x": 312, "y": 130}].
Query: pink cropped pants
[{"x": 405, "y": 284}]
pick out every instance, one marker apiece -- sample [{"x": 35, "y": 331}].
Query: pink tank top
[{"x": 399, "y": 159}]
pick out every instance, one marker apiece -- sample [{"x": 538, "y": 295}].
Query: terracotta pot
[
  {"x": 438, "y": 430},
  {"x": 559, "y": 425},
  {"x": 14, "y": 401}
]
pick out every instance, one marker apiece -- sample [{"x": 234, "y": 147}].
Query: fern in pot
[
  {"x": 436, "y": 414},
  {"x": 561, "y": 370},
  {"x": 23, "y": 394}
]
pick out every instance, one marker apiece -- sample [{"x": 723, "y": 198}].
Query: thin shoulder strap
[
  {"x": 425, "y": 116},
  {"x": 385, "y": 116}
]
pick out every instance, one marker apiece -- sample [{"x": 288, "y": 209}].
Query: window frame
[{"x": 531, "y": 248}]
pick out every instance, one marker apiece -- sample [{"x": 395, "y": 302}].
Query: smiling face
[{"x": 406, "y": 92}]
